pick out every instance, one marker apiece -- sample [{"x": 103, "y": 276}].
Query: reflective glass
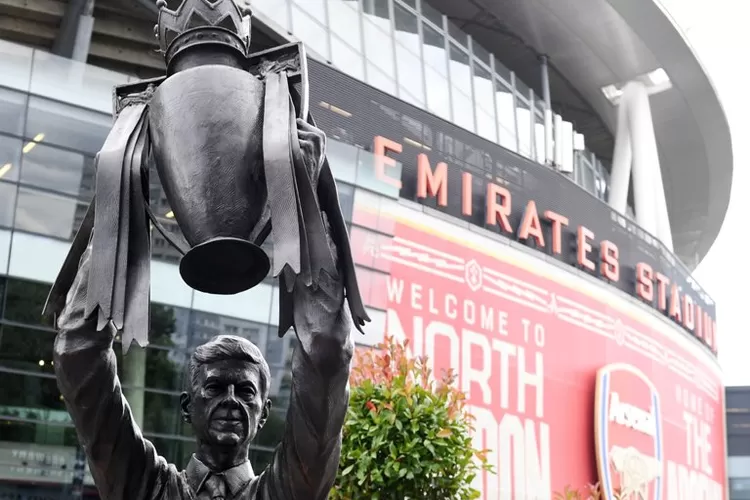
[
  {"x": 463, "y": 111},
  {"x": 59, "y": 170},
  {"x": 482, "y": 54},
  {"x": 502, "y": 71},
  {"x": 315, "y": 8},
  {"x": 523, "y": 115},
  {"x": 276, "y": 10},
  {"x": 24, "y": 303},
  {"x": 346, "y": 200},
  {"x": 539, "y": 139},
  {"x": 367, "y": 247},
  {"x": 31, "y": 397},
  {"x": 343, "y": 18},
  {"x": 438, "y": 93},
  {"x": 310, "y": 31},
  {"x": 346, "y": 58},
  {"x": 7, "y": 203},
  {"x": 432, "y": 14},
  {"x": 49, "y": 214},
  {"x": 410, "y": 75},
  {"x": 407, "y": 28},
  {"x": 484, "y": 102},
  {"x": 373, "y": 286},
  {"x": 10, "y": 157},
  {"x": 506, "y": 114},
  {"x": 12, "y": 111},
  {"x": 410, "y": 3},
  {"x": 51, "y": 122},
  {"x": 26, "y": 349},
  {"x": 378, "y": 41},
  {"x": 434, "y": 51},
  {"x": 460, "y": 69},
  {"x": 343, "y": 160},
  {"x": 16, "y": 65},
  {"x": 161, "y": 414},
  {"x": 457, "y": 34}
]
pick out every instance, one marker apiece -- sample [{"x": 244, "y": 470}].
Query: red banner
[{"x": 528, "y": 338}]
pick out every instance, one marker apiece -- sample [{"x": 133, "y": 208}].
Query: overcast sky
[{"x": 720, "y": 36}]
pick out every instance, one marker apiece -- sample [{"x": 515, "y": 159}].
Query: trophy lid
[{"x": 201, "y": 24}]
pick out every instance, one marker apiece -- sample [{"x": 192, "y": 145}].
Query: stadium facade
[{"x": 529, "y": 185}]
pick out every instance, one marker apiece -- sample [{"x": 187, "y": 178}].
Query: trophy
[{"x": 240, "y": 159}]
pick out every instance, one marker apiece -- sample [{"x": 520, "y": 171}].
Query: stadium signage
[{"x": 546, "y": 230}]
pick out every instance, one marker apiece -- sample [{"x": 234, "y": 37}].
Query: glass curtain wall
[{"x": 409, "y": 49}]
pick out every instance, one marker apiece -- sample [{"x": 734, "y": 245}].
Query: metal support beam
[
  {"x": 548, "y": 127},
  {"x": 74, "y": 38}
]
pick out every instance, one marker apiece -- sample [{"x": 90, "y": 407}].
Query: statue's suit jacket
[{"x": 126, "y": 466}]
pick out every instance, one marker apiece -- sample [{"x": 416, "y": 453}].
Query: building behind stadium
[{"x": 529, "y": 185}]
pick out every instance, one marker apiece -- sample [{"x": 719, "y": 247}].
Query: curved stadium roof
[{"x": 595, "y": 43}]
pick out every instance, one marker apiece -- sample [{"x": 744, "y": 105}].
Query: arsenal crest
[{"x": 627, "y": 423}]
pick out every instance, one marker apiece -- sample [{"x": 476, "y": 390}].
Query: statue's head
[{"x": 227, "y": 398}]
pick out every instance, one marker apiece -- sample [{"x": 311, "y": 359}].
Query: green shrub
[{"x": 406, "y": 436}]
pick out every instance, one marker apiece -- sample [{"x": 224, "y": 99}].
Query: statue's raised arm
[{"x": 240, "y": 160}]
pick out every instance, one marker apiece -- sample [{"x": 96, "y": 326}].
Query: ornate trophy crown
[{"x": 200, "y": 23}]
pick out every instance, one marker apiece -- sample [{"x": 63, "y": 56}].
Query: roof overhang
[{"x": 594, "y": 43}]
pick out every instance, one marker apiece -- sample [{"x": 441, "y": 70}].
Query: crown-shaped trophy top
[{"x": 201, "y": 24}]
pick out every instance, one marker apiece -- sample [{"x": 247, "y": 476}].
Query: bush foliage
[{"x": 406, "y": 435}]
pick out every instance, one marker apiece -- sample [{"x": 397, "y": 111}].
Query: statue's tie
[{"x": 215, "y": 488}]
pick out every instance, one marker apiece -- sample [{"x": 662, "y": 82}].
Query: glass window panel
[
  {"x": 407, "y": 28},
  {"x": 59, "y": 170},
  {"x": 457, "y": 34},
  {"x": 463, "y": 111},
  {"x": 378, "y": 12},
  {"x": 10, "y": 157},
  {"x": 506, "y": 116},
  {"x": 502, "y": 71},
  {"x": 276, "y": 10},
  {"x": 434, "y": 51},
  {"x": 315, "y": 8},
  {"x": 384, "y": 182},
  {"x": 347, "y": 59},
  {"x": 438, "y": 95},
  {"x": 343, "y": 160},
  {"x": 30, "y": 397},
  {"x": 25, "y": 301},
  {"x": 56, "y": 123},
  {"x": 541, "y": 156},
  {"x": 460, "y": 69},
  {"x": 175, "y": 451},
  {"x": 346, "y": 200},
  {"x": 405, "y": 96},
  {"x": 410, "y": 73},
  {"x": 275, "y": 351},
  {"x": 522, "y": 89},
  {"x": 379, "y": 44},
  {"x": 373, "y": 211},
  {"x": 161, "y": 414},
  {"x": 3, "y": 284},
  {"x": 49, "y": 214},
  {"x": 367, "y": 248},
  {"x": 481, "y": 53},
  {"x": 484, "y": 102},
  {"x": 380, "y": 80},
  {"x": 343, "y": 18},
  {"x": 432, "y": 14},
  {"x": 310, "y": 31},
  {"x": 12, "y": 111},
  {"x": 7, "y": 203},
  {"x": 410, "y": 3},
  {"x": 373, "y": 287},
  {"x": 204, "y": 326},
  {"x": 169, "y": 326},
  {"x": 523, "y": 115},
  {"x": 26, "y": 349},
  {"x": 17, "y": 61}
]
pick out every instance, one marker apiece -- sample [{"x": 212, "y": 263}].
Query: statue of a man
[{"x": 226, "y": 403}]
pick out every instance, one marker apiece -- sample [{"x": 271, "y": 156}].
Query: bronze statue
[{"x": 240, "y": 159}]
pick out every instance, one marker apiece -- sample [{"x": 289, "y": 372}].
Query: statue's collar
[{"x": 236, "y": 478}]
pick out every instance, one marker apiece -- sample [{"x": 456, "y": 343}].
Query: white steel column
[{"x": 636, "y": 148}]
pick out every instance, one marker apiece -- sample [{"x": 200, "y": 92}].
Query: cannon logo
[{"x": 629, "y": 451}]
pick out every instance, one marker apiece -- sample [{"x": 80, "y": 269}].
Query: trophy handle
[{"x": 291, "y": 59}]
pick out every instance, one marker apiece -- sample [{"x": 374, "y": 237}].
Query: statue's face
[{"x": 227, "y": 407}]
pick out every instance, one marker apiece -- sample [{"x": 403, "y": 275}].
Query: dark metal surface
[{"x": 240, "y": 160}]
